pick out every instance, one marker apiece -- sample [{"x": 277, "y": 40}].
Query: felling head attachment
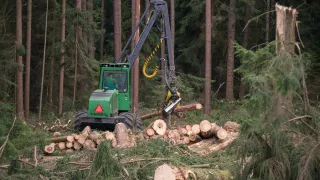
[{"x": 169, "y": 109}]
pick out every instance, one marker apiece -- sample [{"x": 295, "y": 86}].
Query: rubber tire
[
  {"x": 130, "y": 121},
  {"x": 80, "y": 114}
]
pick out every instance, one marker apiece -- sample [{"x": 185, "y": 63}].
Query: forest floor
[{"x": 138, "y": 162}]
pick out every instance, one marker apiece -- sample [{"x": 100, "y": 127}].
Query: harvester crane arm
[{"x": 159, "y": 7}]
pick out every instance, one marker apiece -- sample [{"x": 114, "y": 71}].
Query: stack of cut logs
[
  {"x": 190, "y": 133},
  {"x": 86, "y": 139},
  {"x": 124, "y": 138}
]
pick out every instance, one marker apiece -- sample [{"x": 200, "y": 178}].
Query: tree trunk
[
  {"x": 136, "y": 63},
  {"x": 44, "y": 59},
  {"x": 163, "y": 63},
  {"x": 63, "y": 38},
  {"x": 189, "y": 107},
  {"x": 102, "y": 28},
  {"x": 267, "y": 22},
  {"x": 19, "y": 73},
  {"x": 172, "y": 20},
  {"x": 147, "y": 4},
  {"x": 117, "y": 28},
  {"x": 28, "y": 57},
  {"x": 85, "y": 36},
  {"x": 91, "y": 35},
  {"x": 245, "y": 45},
  {"x": 207, "y": 86},
  {"x": 230, "y": 61},
  {"x": 78, "y": 37}
]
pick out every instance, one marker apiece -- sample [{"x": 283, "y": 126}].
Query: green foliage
[
  {"x": 22, "y": 138},
  {"x": 275, "y": 147},
  {"x": 105, "y": 165}
]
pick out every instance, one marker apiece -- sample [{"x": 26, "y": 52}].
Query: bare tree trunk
[
  {"x": 28, "y": 57},
  {"x": 207, "y": 86},
  {"x": 172, "y": 19},
  {"x": 63, "y": 38},
  {"x": 78, "y": 37},
  {"x": 117, "y": 28},
  {"x": 51, "y": 83},
  {"x": 245, "y": 45},
  {"x": 230, "y": 61},
  {"x": 85, "y": 36},
  {"x": 44, "y": 59},
  {"x": 147, "y": 4},
  {"x": 19, "y": 73},
  {"x": 102, "y": 27},
  {"x": 267, "y": 22},
  {"x": 136, "y": 63},
  {"x": 133, "y": 9},
  {"x": 91, "y": 36}
]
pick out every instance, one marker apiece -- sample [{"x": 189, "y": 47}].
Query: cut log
[
  {"x": 70, "y": 139},
  {"x": 231, "y": 126},
  {"x": 58, "y": 139},
  {"x": 69, "y": 145},
  {"x": 205, "y": 129},
  {"x": 222, "y": 134},
  {"x": 55, "y": 134},
  {"x": 86, "y": 131},
  {"x": 184, "y": 131},
  {"x": 194, "y": 138},
  {"x": 109, "y": 136},
  {"x": 81, "y": 139},
  {"x": 76, "y": 136},
  {"x": 88, "y": 143},
  {"x": 219, "y": 132},
  {"x": 49, "y": 149},
  {"x": 159, "y": 126},
  {"x": 189, "y": 127},
  {"x": 76, "y": 146},
  {"x": 195, "y": 128},
  {"x": 150, "y": 132},
  {"x": 170, "y": 172},
  {"x": 122, "y": 136},
  {"x": 189, "y": 107},
  {"x": 62, "y": 145}
]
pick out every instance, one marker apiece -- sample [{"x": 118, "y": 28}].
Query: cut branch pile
[{"x": 54, "y": 126}]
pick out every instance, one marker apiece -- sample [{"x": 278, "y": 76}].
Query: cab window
[{"x": 115, "y": 80}]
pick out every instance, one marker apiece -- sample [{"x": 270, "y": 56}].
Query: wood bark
[
  {"x": 245, "y": 45},
  {"x": 28, "y": 57},
  {"x": 285, "y": 42},
  {"x": 84, "y": 33},
  {"x": 117, "y": 28},
  {"x": 102, "y": 29},
  {"x": 207, "y": 86},
  {"x": 205, "y": 129},
  {"x": 78, "y": 37},
  {"x": 43, "y": 60},
  {"x": 230, "y": 60},
  {"x": 267, "y": 22},
  {"x": 189, "y": 107},
  {"x": 159, "y": 126},
  {"x": 63, "y": 38},
  {"x": 122, "y": 136},
  {"x": 19, "y": 73},
  {"x": 49, "y": 149},
  {"x": 91, "y": 35},
  {"x": 136, "y": 63}
]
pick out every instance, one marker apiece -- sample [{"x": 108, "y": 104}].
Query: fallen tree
[{"x": 189, "y": 107}]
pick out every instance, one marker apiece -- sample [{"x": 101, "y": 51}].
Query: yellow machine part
[
  {"x": 169, "y": 100},
  {"x": 144, "y": 68}
]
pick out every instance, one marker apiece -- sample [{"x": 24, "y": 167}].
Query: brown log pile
[
  {"x": 88, "y": 139},
  {"x": 202, "y": 138}
]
